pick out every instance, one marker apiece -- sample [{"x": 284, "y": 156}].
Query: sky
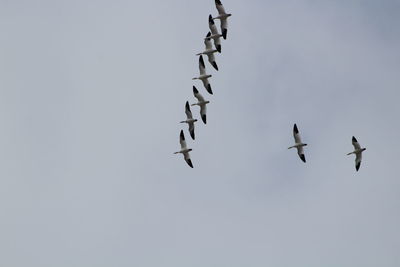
[{"x": 91, "y": 95}]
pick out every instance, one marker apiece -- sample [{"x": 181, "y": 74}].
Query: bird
[
  {"x": 298, "y": 144},
  {"x": 201, "y": 102},
  {"x": 215, "y": 35},
  {"x": 358, "y": 151},
  {"x": 223, "y": 16},
  {"x": 209, "y": 51},
  {"x": 189, "y": 119},
  {"x": 203, "y": 75},
  {"x": 184, "y": 150}
]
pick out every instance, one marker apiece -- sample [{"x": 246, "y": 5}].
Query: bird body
[
  {"x": 298, "y": 143},
  {"x": 223, "y": 17},
  {"x": 202, "y": 103},
  {"x": 204, "y": 76},
  {"x": 184, "y": 149},
  {"x": 209, "y": 51},
  {"x": 189, "y": 120},
  {"x": 215, "y": 35},
  {"x": 357, "y": 151}
]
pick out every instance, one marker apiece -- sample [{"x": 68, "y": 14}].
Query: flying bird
[
  {"x": 203, "y": 75},
  {"x": 358, "y": 151},
  {"x": 209, "y": 51},
  {"x": 189, "y": 119},
  {"x": 201, "y": 103},
  {"x": 184, "y": 150},
  {"x": 215, "y": 35},
  {"x": 298, "y": 144},
  {"x": 223, "y": 16}
]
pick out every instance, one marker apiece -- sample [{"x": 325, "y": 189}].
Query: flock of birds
[
  {"x": 213, "y": 36},
  {"x": 209, "y": 51}
]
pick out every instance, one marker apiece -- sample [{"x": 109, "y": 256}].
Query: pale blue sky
[{"x": 91, "y": 93}]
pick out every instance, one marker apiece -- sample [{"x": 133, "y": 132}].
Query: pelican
[
  {"x": 358, "y": 151},
  {"x": 203, "y": 75},
  {"x": 298, "y": 144},
  {"x": 223, "y": 16},
  {"x": 189, "y": 119},
  {"x": 215, "y": 35},
  {"x": 184, "y": 150},
  {"x": 201, "y": 103},
  {"x": 209, "y": 51}
]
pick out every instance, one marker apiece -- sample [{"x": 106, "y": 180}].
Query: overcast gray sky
[{"x": 91, "y": 93}]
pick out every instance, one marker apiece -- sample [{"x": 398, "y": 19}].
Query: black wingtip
[
  {"x": 354, "y": 139},
  {"x": 204, "y": 118},
  {"x": 210, "y": 20},
  {"x": 224, "y": 33},
  {"x": 209, "y": 89},
  {"x": 218, "y": 2},
  {"x": 192, "y": 135},
  {"x": 208, "y": 34},
  {"x": 189, "y": 162},
  {"x": 219, "y": 48},
  {"x": 187, "y": 105},
  {"x": 358, "y": 166},
  {"x": 295, "y": 129},
  {"x": 214, "y": 64},
  {"x": 201, "y": 60},
  {"x": 182, "y": 135},
  {"x": 195, "y": 91},
  {"x": 303, "y": 158}
]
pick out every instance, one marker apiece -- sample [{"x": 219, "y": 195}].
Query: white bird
[
  {"x": 215, "y": 35},
  {"x": 201, "y": 103},
  {"x": 358, "y": 151},
  {"x": 298, "y": 144},
  {"x": 223, "y": 16},
  {"x": 189, "y": 119},
  {"x": 203, "y": 75},
  {"x": 209, "y": 51},
  {"x": 184, "y": 150}
]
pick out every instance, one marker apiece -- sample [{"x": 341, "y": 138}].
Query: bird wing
[
  {"x": 358, "y": 160},
  {"x": 207, "y": 41},
  {"x": 300, "y": 152},
  {"x": 188, "y": 111},
  {"x": 187, "y": 159},
  {"x": 220, "y": 7},
  {"x": 182, "y": 140},
  {"x": 217, "y": 44},
  {"x": 212, "y": 26},
  {"x": 211, "y": 59},
  {"x": 355, "y": 143},
  {"x": 296, "y": 134},
  {"x": 202, "y": 67},
  {"x": 224, "y": 27},
  {"x": 196, "y": 93},
  {"x": 203, "y": 112},
  {"x": 207, "y": 85},
  {"x": 191, "y": 129}
]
